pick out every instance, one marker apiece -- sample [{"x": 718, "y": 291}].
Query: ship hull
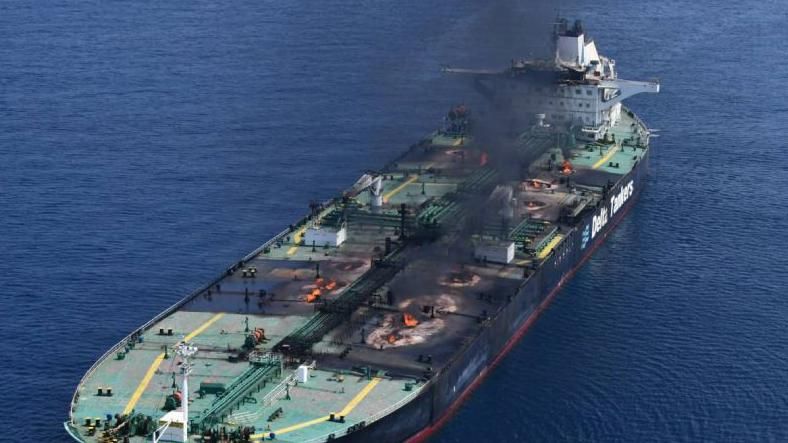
[{"x": 446, "y": 392}]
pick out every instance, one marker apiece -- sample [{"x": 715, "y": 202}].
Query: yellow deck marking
[
  {"x": 360, "y": 396},
  {"x": 296, "y": 240},
  {"x": 546, "y": 250},
  {"x": 399, "y": 188},
  {"x": 300, "y": 425},
  {"x": 204, "y": 326},
  {"x": 608, "y": 156},
  {"x": 135, "y": 397},
  {"x": 345, "y": 411}
]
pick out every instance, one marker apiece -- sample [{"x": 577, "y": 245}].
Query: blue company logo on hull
[
  {"x": 586, "y": 237},
  {"x": 607, "y": 212}
]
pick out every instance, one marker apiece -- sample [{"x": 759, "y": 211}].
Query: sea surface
[{"x": 145, "y": 145}]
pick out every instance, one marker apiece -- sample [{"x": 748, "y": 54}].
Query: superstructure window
[
  {"x": 578, "y": 92},
  {"x": 589, "y": 92}
]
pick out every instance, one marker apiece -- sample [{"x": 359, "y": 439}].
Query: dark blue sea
[{"x": 145, "y": 145}]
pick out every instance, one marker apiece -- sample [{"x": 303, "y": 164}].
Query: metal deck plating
[{"x": 388, "y": 293}]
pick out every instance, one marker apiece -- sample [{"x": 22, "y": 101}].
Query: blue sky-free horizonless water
[{"x": 144, "y": 145}]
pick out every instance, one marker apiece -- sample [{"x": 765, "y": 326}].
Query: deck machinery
[{"x": 369, "y": 318}]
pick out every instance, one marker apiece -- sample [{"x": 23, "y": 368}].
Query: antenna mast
[{"x": 186, "y": 352}]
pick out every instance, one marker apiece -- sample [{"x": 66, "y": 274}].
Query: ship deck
[{"x": 378, "y": 357}]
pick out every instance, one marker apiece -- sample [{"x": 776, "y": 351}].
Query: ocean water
[{"x": 145, "y": 145}]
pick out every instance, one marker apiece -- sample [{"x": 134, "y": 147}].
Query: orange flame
[
  {"x": 566, "y": 167},
  {"x": 409, "y": 320},
  {"x": 322, "y": 283},
  {"x": 313, "y": 296},
  {"x": 391, "y": 339}
]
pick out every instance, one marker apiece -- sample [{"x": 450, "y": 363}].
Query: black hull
[{"x": 424, "y": 415}]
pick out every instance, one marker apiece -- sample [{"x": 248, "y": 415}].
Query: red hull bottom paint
[{"x": 425, "y": 433}]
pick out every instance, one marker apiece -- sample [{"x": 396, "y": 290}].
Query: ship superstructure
[
  {"x": 372, "y": 317},
  {"x": 578, "y": 87}
]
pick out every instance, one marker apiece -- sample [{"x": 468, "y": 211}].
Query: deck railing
[
  {"x": 165, "y": 313},
  {"x": 372, "y": 419}
]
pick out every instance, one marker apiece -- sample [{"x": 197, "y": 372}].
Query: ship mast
[{"x": 186, "y": 352}]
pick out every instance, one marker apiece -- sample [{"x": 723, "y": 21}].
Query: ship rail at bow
[
  {"x": 395, "y": 340},
  {"x": 167, "y": 312},
  {"x": 372, "y": 419}
]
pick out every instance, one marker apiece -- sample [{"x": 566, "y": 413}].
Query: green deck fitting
[
  {"x": 212, "y": 388},
  {"x": 333, "y": 219},
  {"x": 337, "y": 311},
  {"x": 527, "y": 230},
  {"x": 438, "y": 211},
  {"x": 385, "y": 219},
  {"x": 253, "y": 379},
  {"x": 540, "y": 245},
  {"x": 227, "y": 392},
  {"x": 448, "y": 207}
]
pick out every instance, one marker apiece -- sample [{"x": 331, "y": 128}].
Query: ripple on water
[{"x": 146, "y": 145}]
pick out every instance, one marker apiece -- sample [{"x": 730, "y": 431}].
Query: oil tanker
[{"x": 377, "y": 313}]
